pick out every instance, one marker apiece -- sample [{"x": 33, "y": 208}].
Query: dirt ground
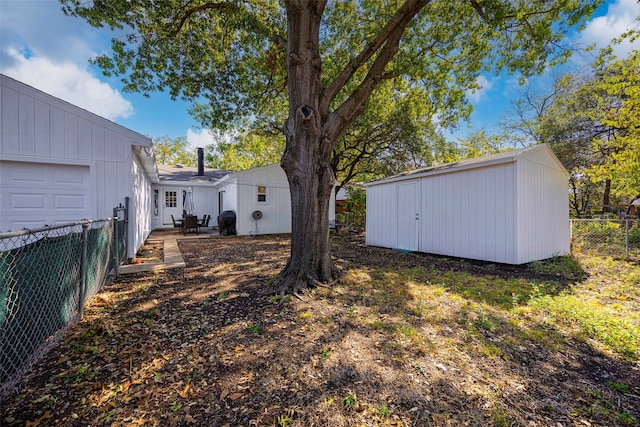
[{"x": 214, "y": 345}]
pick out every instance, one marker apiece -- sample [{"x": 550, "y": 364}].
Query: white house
[
  {"x": 265, "y": 190},
  {"x": 60, "y": 163},
  {"x": 169, "y": 194},
  {"x": 511, "y": 207}
]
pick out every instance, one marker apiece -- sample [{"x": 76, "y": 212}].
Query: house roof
[
  {"x": 230, "y": 175},
  {"x": 493, "y": 159},
  {"x": 134, "y": 137},
  {"x": 189, "y": 174}
]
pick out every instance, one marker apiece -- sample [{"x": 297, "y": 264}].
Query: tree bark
[
  {"x": 311, "y": 131},
  {"x": 307, "y": 156}
]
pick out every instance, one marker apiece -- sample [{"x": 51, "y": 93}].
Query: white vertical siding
[
  {"x": 84, "y": 141},
  {"x": 206, "y": 201},
  {"x": 38, "y": 128},
  {"x": 9, "y": 128},
  {"x": 408, "y": 215},
  {"x": 514, "y": 210},
  {"x": 26, "y": 119},
  {"x": 42, "y": 122},
  {"x": 229, "y": 196},
  {"x": 140, "y": 206},
  {"x": 543, "y": 208},
  {"x": 382, "y": 218},
  {"x": 276, "y": 211},
  {"x": 468, "y": 214},
  {"x": 64, "y": 127}
]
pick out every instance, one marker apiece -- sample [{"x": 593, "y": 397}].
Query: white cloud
[
  {"x": 69, "y": 82},
  {"x": 621, "y": 16},
  {"x": 199, "y": 138},
  {"x": 477, "y": 95},
  {"x": 41, "y": 28}
]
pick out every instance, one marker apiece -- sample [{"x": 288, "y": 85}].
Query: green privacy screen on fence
[{"x": 41, "y": 286}]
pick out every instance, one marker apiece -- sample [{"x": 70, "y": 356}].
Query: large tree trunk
[
  {"x": 312, "y": 129},
  {"x": 307, "y": 156}
]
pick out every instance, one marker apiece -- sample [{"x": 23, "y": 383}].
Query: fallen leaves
[{"x": 165, "y": 349}]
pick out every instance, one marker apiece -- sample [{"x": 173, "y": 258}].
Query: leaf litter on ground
[{"x": 411, "y": 339}]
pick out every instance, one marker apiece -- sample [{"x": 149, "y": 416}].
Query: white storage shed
[
  {"x": 60, "y": 163},
  {"x": 263, "y": 189},
  {"x": 511, "y": 208}
]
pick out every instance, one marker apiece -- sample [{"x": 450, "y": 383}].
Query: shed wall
[
  {"x": 543, "y": 209},
  {"x": 382, "y": 216},
  {"x": 470, "y": 214}
]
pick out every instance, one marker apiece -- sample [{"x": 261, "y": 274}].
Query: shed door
[
  {"x": 408, "y": 215},
  {"x": 35, "y": 194}
]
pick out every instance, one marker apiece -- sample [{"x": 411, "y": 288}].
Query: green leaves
[{"x": 170, "y": 151}]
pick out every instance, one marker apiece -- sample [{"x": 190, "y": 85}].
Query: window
[
  {"x": 262, "y": 194},
  {"x": 171, "y": 199},
  {"x": 155, "y": 202}
]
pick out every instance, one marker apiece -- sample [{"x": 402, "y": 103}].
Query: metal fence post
[
  {"x": 116, "y": 251},
  {"x": 626, "y": 237},
  {"x": 126, "y": 228},
  {"x": 83, "y": 269}
]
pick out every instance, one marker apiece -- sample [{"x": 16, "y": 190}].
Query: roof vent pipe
[{"x": 200, "y": 161}]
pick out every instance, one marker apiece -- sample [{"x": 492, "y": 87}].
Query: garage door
[{"x": 35, "y": 194}]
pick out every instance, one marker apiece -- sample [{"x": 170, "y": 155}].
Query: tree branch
[
  {"x": 206, "y": 6},
  {"x": 400, "y": 20},
  {"x": 478, "y": 9},
  {"x": 386, "y": 43}
]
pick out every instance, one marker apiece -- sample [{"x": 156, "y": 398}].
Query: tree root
[{"x": 299, "y": 285}]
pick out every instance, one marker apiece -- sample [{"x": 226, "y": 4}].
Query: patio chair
[
  {"x": 205, "y": 221},
  {"x": 191, "y": 223}
]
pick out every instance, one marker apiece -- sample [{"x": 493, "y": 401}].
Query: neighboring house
[
  {"x": 175, "y": 181},
  {"x": 511, "y": 207},
  {"x": 60, "y": 163},
  {"x": 264, "y": 189}
]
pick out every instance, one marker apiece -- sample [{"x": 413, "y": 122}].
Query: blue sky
[{"x": 42, "y": 47}]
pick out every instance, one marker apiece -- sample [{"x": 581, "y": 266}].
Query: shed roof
[{"x": 477, "y": 162}]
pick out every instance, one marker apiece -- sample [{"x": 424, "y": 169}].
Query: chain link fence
[
  {"x": 606, "y": 237},
  {"x": 46, "y": 275},
  {"x": 350, "y": 221}
]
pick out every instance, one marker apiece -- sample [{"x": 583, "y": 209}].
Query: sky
[{"x": 43, "y": 48}]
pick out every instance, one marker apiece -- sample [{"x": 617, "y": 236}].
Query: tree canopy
[
  {"x": 173, "y": 150},
  {"x": 590, "y": 118},
  {"x": 327, "y": 58}
]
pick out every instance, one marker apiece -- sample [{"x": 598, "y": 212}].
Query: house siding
[
  {"x": 39, "y": 128},
  {"x": 240, "y": 196},
  {"x": 276, "y": 211}
]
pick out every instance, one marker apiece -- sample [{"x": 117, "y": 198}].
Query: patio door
[{"x": 171, "y": 205}]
